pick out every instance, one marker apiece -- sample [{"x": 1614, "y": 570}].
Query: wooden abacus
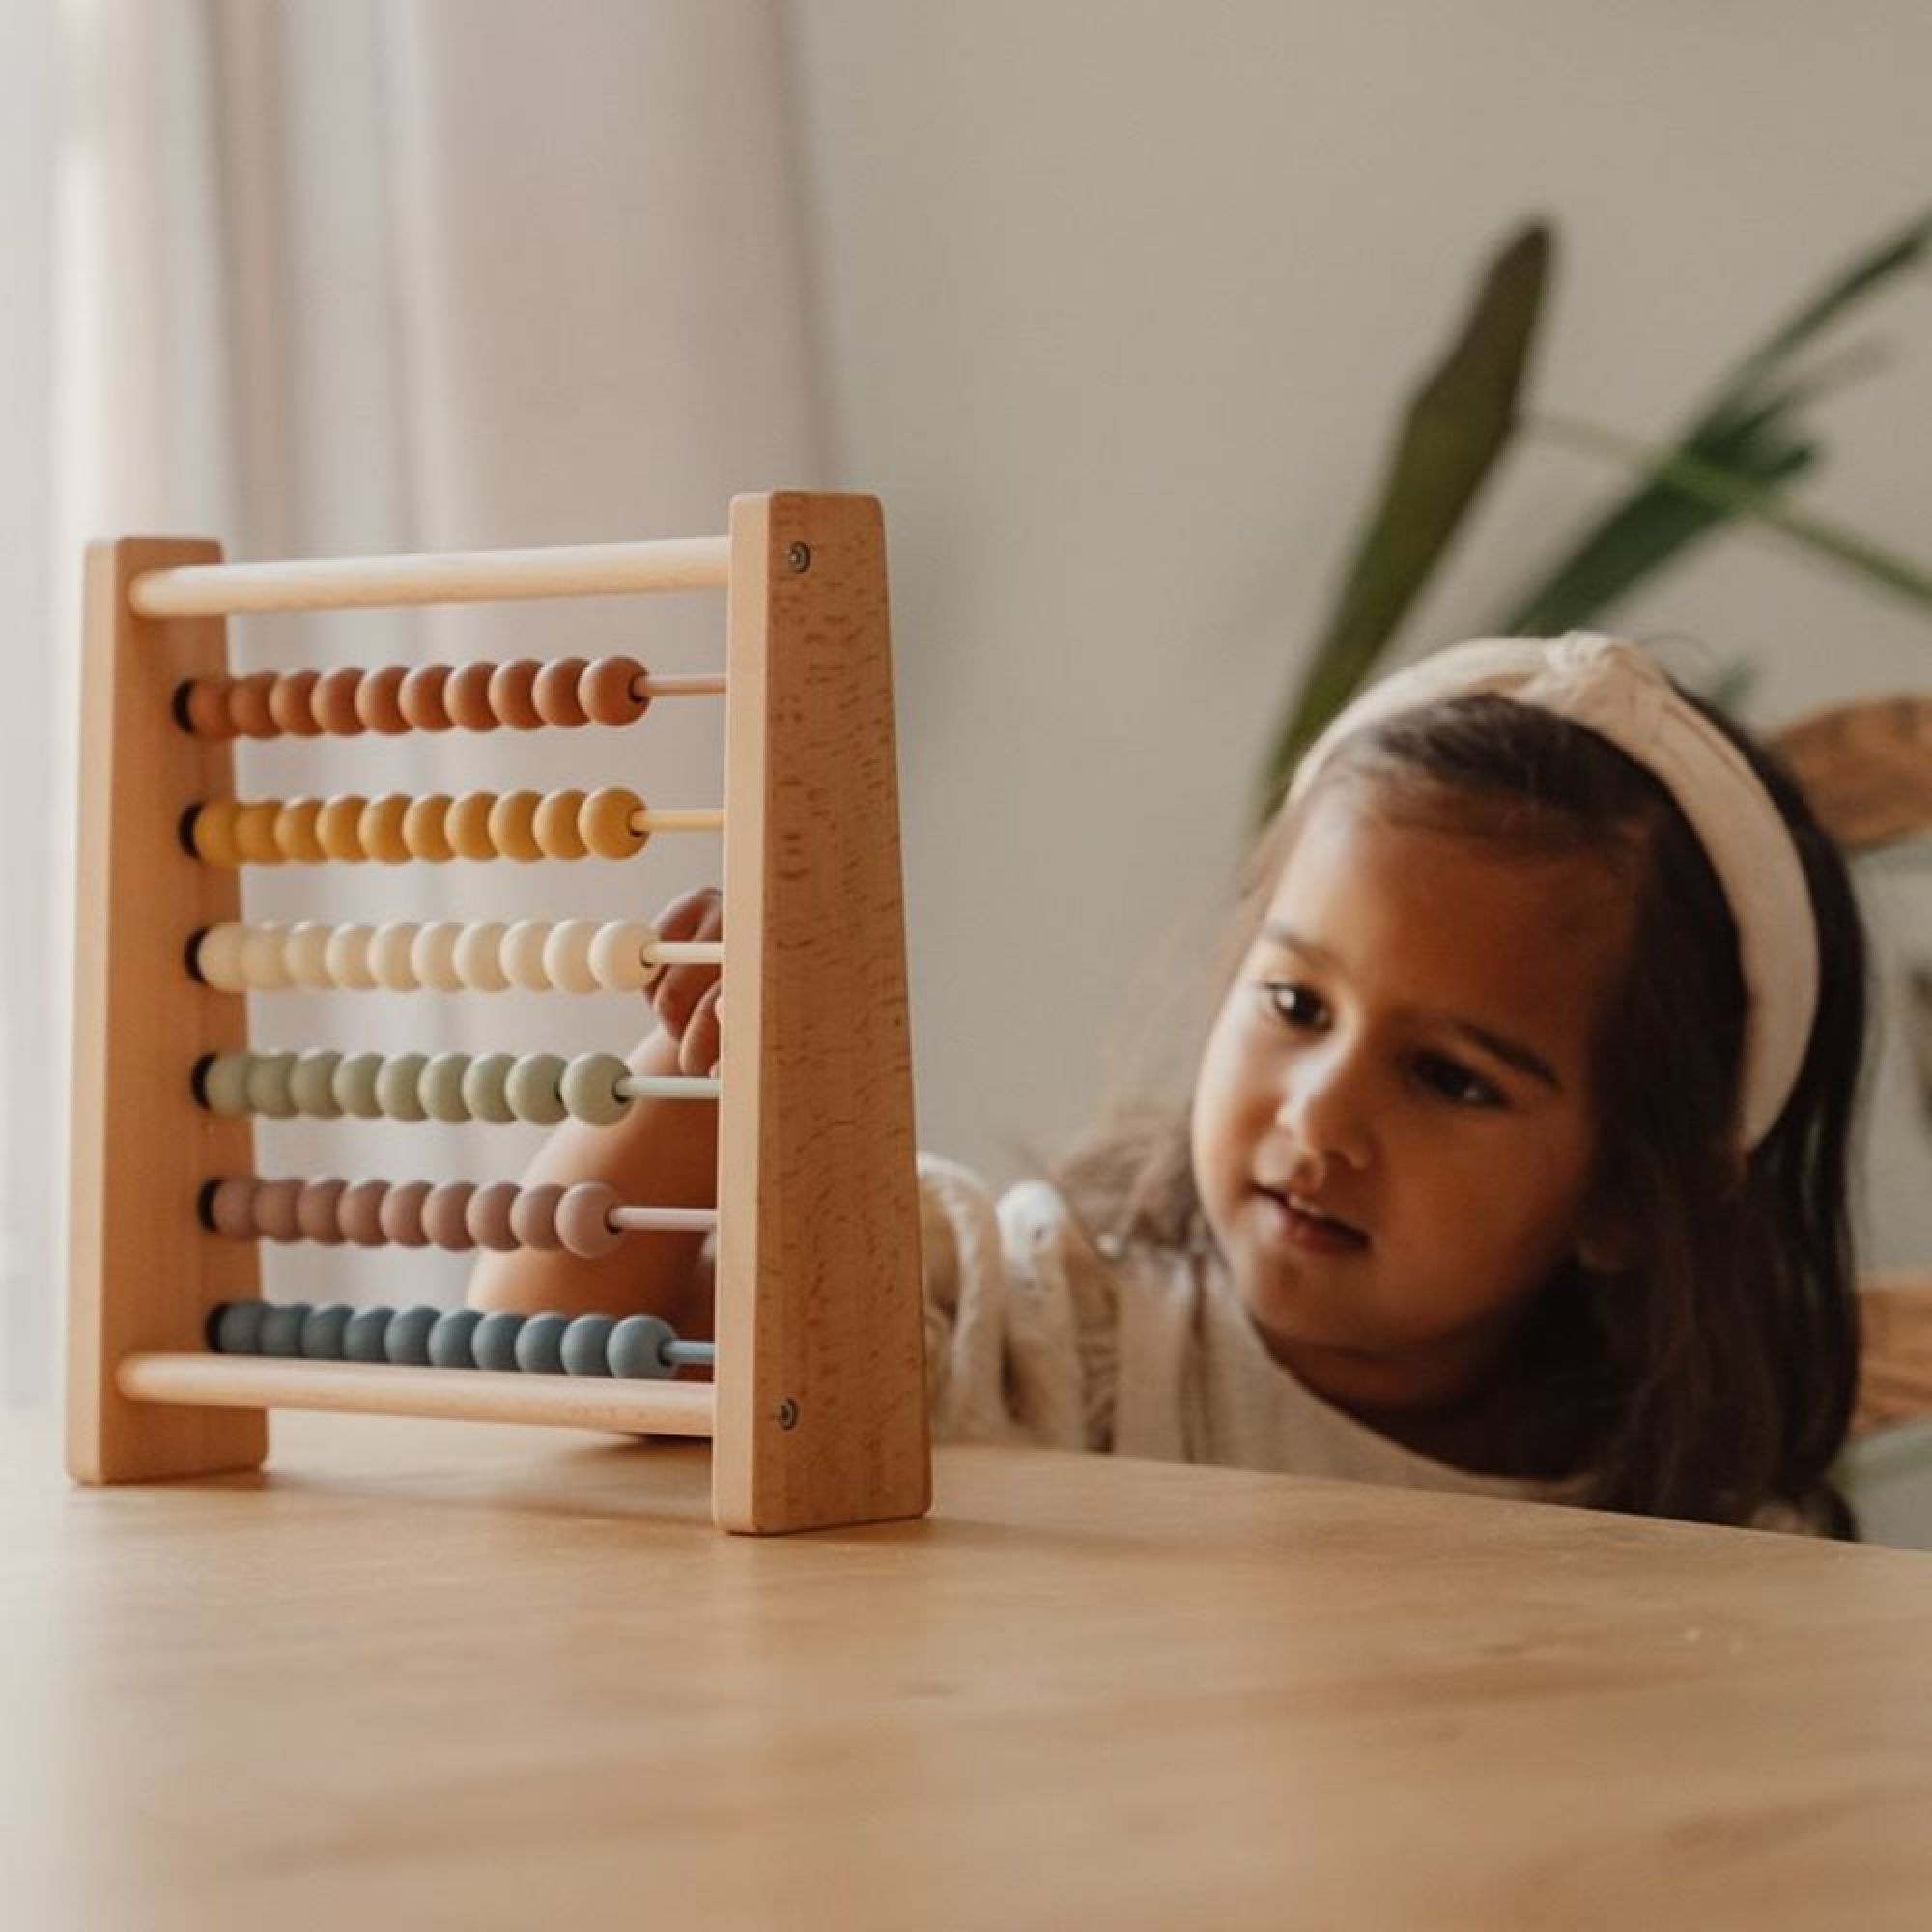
[{"x": 817, "y": 1410}]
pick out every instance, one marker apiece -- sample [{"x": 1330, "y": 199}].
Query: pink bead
[
  {"x": 584, "y": 1219},
  {"x": 533, "y": 1215},
  {"x": 231, "y": 1207},
  {"x": 402, "y": 1214},
  {"x": 488, "y": 1216},
  {"x": 318, "y": 1212},
  {"x": 274, "y": 1209},
  {"x": 444, "y": 1215},
  {"x": 361, "y": 1212}
]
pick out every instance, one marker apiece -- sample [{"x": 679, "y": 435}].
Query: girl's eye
[
  {"x": 1293, "y": 1004},
  {"x": 1455, "y": 1082}
]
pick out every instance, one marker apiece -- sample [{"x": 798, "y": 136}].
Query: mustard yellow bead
[
  {"x": 213, "y": 831},
  {"x": 255, "y": 832},
  {"x": 338, "y": 826},
  {"x": 426, "y": 827},
  {"x": 381, "y": 829},
  {"x": 513, "y": 825},
  {"x": 295, "y": 831},
  {"x": 606, "y": 822},
  {"x": 555, "y": 826},
  {"x": 467, "y": 825}
]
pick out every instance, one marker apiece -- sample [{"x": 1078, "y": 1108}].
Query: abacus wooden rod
[
  {"x": 370, "y": 1388},
  {"x": 455, "y": 576}
]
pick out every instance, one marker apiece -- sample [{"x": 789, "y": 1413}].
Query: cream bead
[
  {"x": 265, "y": 965},
  {"x": 522, "y": 955},
  {"x": 392, "y": 956},
  {"x": 268, "y": 1076},
  {"x": 224, "y": 1083},
  {"x": 478, "y": 957},
  {"x": 217, "y": 956},
  {"x": 355, "y": 1085},
  {"x": 566, "y": 955},
  {"x": 433, "y": 955},
  {"x": 618, "y": 955},
  {"x": 589, "y": 1089},
  {"x": 535, "y": 1087},
  {"x": 485, "y": 1087},
  {"x": 305, "y": 955},
  {"x": 399, "y": 1087},
  {"x": 441, "y": 1087},
  {"x": 348, "y": 957},
  {"x": 312, "y": 1084}
]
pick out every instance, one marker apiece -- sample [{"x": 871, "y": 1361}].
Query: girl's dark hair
[{"x": 1714, "y": 1375}]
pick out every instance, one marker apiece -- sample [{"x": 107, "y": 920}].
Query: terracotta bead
[
  {"x": 360, "y": 1212},
  {"x": 206, "y": 704},
  {"x": 512, "y": 687},
  {"x": 420, "y": 696},
  {"x": 612, "y": 691},
  {"x": 334, "y": 701},
  {"x": 338, "y": 826},
  {"x": 466, "y": 825},
  {"x": 554, "y": 692},
  {"x": 296, "y": 834},
  {"x": 231, "y": 1206},
  {"x": 318, "y": 1212},
  {"x": 445, "y": 1212},
  {"x": 379, "y": 830},
  {"x": 555, "y": 826},
  {"x": 584, "y": 1219},
  {"x": 249, "y": 706},
  {"x": 379, "y": 699},
  {"x": 606, "y": 822},
  {"x": 466, "y": 695},
  {"x": 426, "y": 828},
  {"x": 274, "y": 1210},
  {"x": 291, "y": 703},
  {"x": 533, "y": 1215},
  {"x": 513, "y": 826},
  {"x": 401, "y": 1216},
  {"x": 488, "y": 1216}
]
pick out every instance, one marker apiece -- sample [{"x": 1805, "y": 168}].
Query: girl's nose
[{"x": 1323, "y": 1111}]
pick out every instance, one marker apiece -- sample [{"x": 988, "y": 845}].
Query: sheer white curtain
[{"x": 342, "y": 277}]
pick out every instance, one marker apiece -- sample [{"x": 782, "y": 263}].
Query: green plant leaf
[{"x": 1458, "y": 424}]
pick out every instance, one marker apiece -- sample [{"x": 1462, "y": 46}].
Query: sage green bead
[
  {"x": 535, "y": 1087},
  {"x": 398, "y": 1087},
  {"x": 269, "y": 1083},
  {"x": 485, "y": 1087},
  {"x": 355, "y": 1084},
  {"x": 224, "y": 1083},
  {"x": 312, "y": 1085},
  {"x": 441, "y": 1087},
  {"x": 589, "y": 1089}
]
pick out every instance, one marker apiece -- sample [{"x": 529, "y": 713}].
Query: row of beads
[
  {"x": 540, "y": 1088},
  {"x": 456, "y": 1215},
  {"x": 638, "y": 1348},
  {"x": 572, "y": 956},
  {"x": 608, "y": 823},
  {"x": 522, "y": 694}
]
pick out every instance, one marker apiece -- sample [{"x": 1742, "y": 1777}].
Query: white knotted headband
[{"x": 1610, "y": 686}]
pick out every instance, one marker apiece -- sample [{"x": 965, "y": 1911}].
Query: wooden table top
[{"x": 443, "y": 1675}]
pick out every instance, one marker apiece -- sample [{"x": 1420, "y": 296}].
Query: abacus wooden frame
[{"x": 817, "y": 1413}]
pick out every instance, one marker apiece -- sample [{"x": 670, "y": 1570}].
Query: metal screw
[
  {"x": 787, "y": 1413},
  {"x": 799, "y": 556}
]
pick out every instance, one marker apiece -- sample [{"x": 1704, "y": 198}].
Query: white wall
[{"x": 1117, "y": 302}]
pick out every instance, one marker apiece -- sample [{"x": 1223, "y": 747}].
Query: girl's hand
[{"x": 685, "y": 998}]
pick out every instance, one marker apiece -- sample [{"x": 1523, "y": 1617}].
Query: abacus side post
[
  {"x": 821, "y": 1379},
  {"x": 142, "y": 1272}
]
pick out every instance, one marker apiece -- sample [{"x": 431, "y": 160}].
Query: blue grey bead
[
  {"x": 449, "y": 1341},
  {"x": 237, "y": 1328},
  {"x": 540, "y": 1345},
  {"x": 363, "y": 1339},
  {"x": 406, "y": 1342},
  {"x": 636, "y": 1348},
  {"x": 282, "y": 1328},
  {"x": 585, "y": 1344},
  {"x": 493, "y": 1344},
  {"x": 321, "y": 1334}
]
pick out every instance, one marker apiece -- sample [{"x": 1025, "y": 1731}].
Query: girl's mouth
[{"x": 1294, "y": 1223}]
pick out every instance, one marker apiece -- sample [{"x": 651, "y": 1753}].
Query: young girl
[{"x": 1516, "y": 1159}]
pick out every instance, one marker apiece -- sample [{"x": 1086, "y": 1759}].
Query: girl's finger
[{"x": 698, "y": 1046}]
